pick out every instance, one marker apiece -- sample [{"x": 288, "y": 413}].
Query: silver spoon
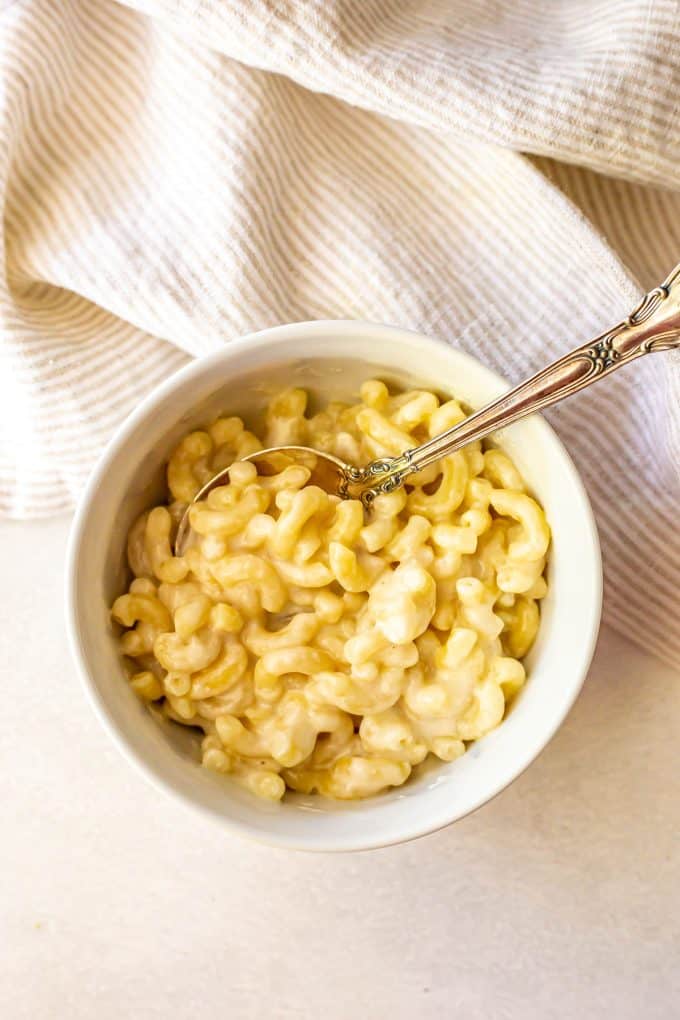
[{"x": 653, "y": 326}]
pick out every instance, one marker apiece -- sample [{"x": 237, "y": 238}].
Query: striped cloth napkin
[{"x": 490, "y": 172}]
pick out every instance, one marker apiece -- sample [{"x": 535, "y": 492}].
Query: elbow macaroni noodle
[{"x": 320, "y": 649}]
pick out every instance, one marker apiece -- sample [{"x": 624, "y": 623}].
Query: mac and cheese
[{"x": 320, "y": 648}]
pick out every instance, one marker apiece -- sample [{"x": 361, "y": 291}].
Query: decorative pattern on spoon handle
[{"x": 654, "y": 325}]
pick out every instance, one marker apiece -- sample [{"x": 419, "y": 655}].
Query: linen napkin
[{"x": 500, "y": 174}]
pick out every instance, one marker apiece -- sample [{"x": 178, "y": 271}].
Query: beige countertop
[{"x": 559, "y": 899}]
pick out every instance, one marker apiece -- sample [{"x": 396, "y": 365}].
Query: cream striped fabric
[{"x": 173, "y": 174}]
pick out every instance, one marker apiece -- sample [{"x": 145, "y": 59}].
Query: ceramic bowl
[{"x": 330, "y": 359}]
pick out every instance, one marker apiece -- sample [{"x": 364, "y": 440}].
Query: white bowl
[{"x": 330, "y": 359}]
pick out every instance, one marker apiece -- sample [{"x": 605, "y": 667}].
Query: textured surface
[
  {"x": 559, "y": 900},
  {"x": 175, "y": 174}
]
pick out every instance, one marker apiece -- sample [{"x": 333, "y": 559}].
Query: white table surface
[{"x": 559, "y": 899}]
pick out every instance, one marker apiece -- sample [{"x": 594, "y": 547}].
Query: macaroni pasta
[{"x": 316, "y": 647}]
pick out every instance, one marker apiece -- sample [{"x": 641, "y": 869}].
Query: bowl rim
[{"x": 153, "y": 773}]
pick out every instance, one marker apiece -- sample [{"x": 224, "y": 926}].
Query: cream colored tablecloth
[{"x": 173, "y": 174}]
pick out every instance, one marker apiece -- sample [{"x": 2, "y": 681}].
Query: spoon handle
[{"x": 653, "y": 326}]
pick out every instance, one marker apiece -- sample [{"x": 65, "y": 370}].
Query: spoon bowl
[{"x": 326, "y": 471}]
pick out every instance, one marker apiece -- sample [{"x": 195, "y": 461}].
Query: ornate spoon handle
[{"x": 653, "y": 326}]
